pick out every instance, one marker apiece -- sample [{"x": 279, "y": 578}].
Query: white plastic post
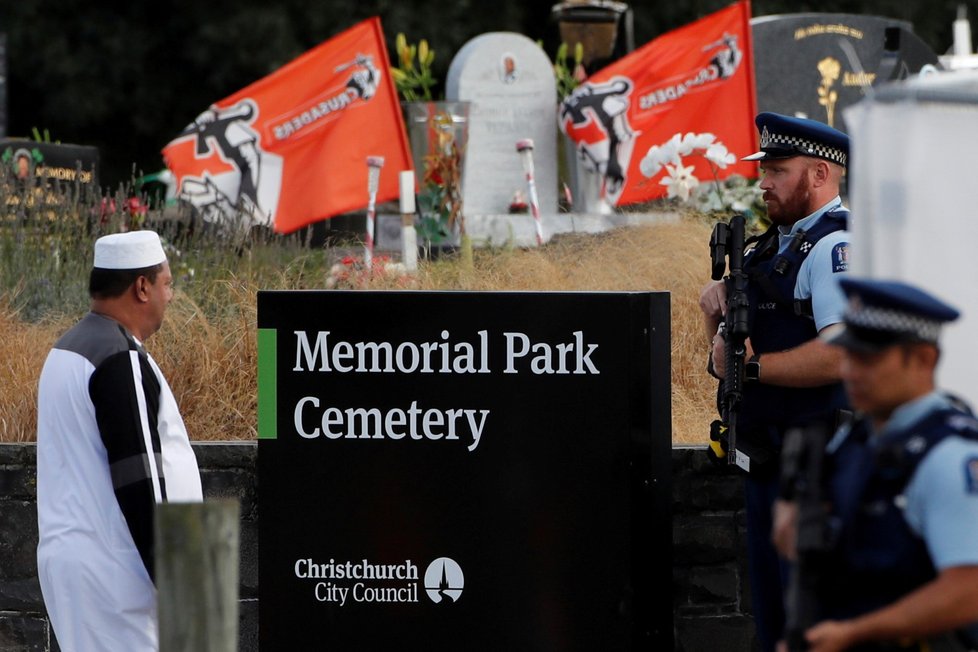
[
  {"x": 962, "y": 33},
  {"x": 374, "y": 163},
  {"x": 409, "y": 236},
  {"x": 525, "y": 148}
]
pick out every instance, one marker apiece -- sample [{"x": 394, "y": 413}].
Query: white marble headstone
[{"x": 510, "y": 81}]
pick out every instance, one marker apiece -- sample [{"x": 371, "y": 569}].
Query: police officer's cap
[
  {"x": 885, "y": 313},
  {"x": 784, "y": 137}
]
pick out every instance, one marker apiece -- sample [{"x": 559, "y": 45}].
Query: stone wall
[
  {"x": 711, "y": 600},
  {"x": 227, "y": 471},
  {"x": 709, "y": 578}
]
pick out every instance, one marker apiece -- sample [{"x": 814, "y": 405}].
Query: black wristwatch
[{"x": 752, "y": 369}]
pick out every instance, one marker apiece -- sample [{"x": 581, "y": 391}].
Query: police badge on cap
[
  {"x": 785, "y": 137},
  {"x": 885, "y": 313}
]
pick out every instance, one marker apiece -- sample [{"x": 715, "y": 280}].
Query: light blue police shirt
[
  {"x": 818, "y": 277},
  {"x": 942, "y": 495}
]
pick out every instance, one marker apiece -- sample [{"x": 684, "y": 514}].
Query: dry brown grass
[
  {"x": 23, "y": 348},
  {"x": 671, "y": 257},
  {"x": 210, "y": 360},
  {"x": 212, "y": 366}
]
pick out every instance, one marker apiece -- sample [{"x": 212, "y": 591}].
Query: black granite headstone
[
  {"x": 815, "y": 65},
  {"x": 49, "y": 162}
]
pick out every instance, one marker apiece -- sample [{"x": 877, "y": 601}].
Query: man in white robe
[{"x": 111, "y": 445}]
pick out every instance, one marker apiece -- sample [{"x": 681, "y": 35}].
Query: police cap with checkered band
[
  {"x": 884, "y": 313},
  {"x": 784, "y": 137}
]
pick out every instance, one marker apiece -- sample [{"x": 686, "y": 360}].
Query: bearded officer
[
  {"x": 111, "y": 445},
  {"x": 792, "y": 377}
]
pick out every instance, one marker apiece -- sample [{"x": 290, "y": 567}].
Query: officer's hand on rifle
[
  {"x": 718, "y": 354},
  {"x": 784, "y": 532},
  {"x": 831, "y": 636},
  {"x": 713, "y": 304}
]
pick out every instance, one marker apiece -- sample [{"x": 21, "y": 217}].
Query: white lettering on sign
[
  {"x": 413, "y": 423},
  {"x": 441, "y": 357},
  {"x": 545, "y": 358},
  {"x": 324, "y": 352}
]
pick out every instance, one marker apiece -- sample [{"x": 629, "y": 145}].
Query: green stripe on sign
[{"x": 267, "y": 383}]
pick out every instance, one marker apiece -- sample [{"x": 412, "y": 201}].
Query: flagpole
[
  {"x": 409, "y": 236},
  {"x": 374, "y": 163},
  {"x": 525, "y": 148}
]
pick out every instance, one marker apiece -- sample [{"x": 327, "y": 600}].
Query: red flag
[
  {"x": 671, "y": 94},
  {"x": 291, "y": 148}
]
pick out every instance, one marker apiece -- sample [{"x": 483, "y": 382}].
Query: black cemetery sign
[
  {"x": 464, "y": 471},
  {"x": 816, "y": 65}
]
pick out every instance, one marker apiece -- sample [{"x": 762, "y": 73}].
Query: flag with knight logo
[
  {"x": 681, "y": 106},
  {"x": 291, "y": 148}
]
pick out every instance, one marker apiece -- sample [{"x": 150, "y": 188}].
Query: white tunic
[{"x": 110, "y": 445}]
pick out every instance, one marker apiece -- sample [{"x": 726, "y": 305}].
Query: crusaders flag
[
  {"x": 291, "y": 149},
  {"x": 698, "y": 79}
]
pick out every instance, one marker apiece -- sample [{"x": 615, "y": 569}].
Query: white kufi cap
[{"x": 133, "y": 250}]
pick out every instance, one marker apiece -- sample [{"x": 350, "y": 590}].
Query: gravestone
[
  {"x": 49, "y": 163},
  {"x": 388, "y": 232},
  {"x": 816, "y": 65},
  {"x": 511, "y": 85}
]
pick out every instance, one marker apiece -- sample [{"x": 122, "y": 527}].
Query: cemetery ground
[{"x": 207, "y": 345}]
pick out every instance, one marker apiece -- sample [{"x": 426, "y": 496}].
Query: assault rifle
[
  {"x": 802, "y": 462},
  {"x": 727, "y": 250}
]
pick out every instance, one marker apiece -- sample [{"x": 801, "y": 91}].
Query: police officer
[
  {"x": 902, "y": 484},
  {"x": 792, "y": 377}
]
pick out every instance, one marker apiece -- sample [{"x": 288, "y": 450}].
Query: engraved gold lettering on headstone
[
  {"x": 858, "y": 78},
  {"x": 818, "y": 30}
]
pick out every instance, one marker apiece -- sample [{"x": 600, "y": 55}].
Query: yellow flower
[
  {"x": 404, "y": 52},
  {"x": 422, "y": 51},
  {"x": 829, "y": 68},
  {"x": 413, "y": 82}
]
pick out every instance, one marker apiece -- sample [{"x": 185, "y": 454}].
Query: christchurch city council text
[
  {"x": 405, "y": 576},
  {"x": 360, "y": 592}
]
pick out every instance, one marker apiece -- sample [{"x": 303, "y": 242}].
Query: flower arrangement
[
  {"x": 437, "y": 136},
  {"x": 413, "y": 83},
  {"x": 440, "y": 198},
  {"x": 735, "y": 193},
  {"x": 352, "y": 273}
]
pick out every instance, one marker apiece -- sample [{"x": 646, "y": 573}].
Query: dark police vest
[
  {"x": 778, "y": 322},
  {"x": 877, "y": 558}
]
